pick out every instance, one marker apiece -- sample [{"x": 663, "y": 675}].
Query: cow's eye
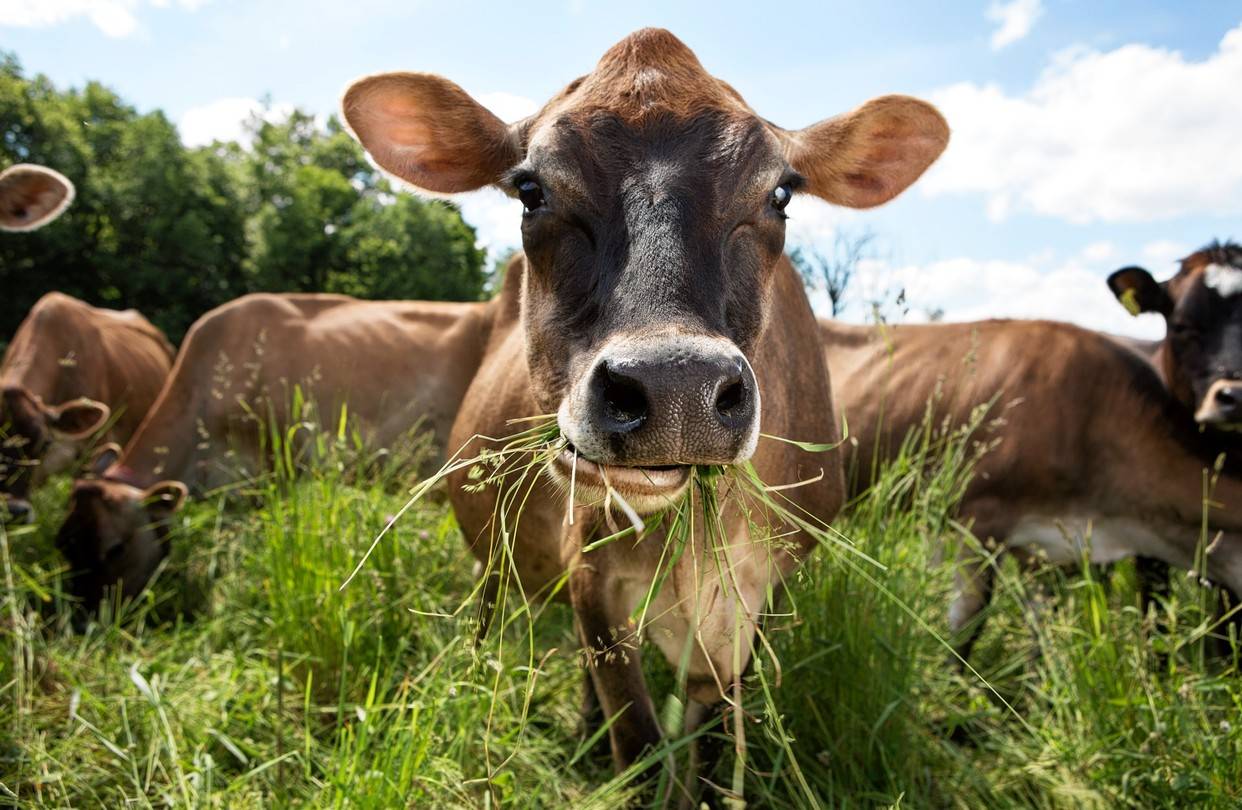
[
  {"x": 781, "y": 196},
  {"x": 531, "y": 195}
]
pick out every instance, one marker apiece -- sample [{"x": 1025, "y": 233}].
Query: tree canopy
[{"x": 175, "y": 231}]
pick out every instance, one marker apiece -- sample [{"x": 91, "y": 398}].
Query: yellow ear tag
[{"x": 1130, "y": 301}]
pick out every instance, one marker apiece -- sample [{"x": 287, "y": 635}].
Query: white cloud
[
  {"x": 224, "y": 120},
  {"x": 508, "y": 107},
  {"x": 115, "y": 18},
  {"x": 968, "y": 289},
  {"x": 1014, "y": 20},
  {"x": 496, "y": 217},
  {"x": 1129, "y": 135}
]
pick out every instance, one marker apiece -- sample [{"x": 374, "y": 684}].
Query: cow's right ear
[
  {"x": 78, "y": 419},
  {"x": 164, "y": 498},
  {"x": 429, "y": 132},
  {"x": 104, "y": 457},
  {"x": 1139, "y": 292},
  {"x": 32, "y": 196}
]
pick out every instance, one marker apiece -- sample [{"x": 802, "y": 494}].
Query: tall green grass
[{"x": 247, "y": 677}]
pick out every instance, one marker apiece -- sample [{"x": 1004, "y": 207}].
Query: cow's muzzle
[
  {"x": 1221, "y": 406},
  {"x": 649, "y": 408}
]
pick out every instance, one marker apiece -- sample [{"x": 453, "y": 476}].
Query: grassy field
[{"x": 283, "y": 690}]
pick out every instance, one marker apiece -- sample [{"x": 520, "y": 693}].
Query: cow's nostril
[
  {"x": 731, "y": 398},
  {"x": 1226, "y": 396},
  {"x": 624, "y": 400}
]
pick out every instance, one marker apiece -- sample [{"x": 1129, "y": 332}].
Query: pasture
[{"x": 246, "y": 677}]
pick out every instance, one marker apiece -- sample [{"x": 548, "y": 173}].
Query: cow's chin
[{"x": 646, "y": 489}]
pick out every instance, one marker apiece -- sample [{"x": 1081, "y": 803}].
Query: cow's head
[
  {"x": 654, "y": 218},
  {"x": 27, "y": 429},
  {"x": 1202, "y": 307},
  {"x": 32, "y": 196},
  {"x": 116, "y": 534}
]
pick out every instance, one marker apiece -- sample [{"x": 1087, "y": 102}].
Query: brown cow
[
  {"x": 32, "y": 196},
  {"x": 70, "y": 366},
  {"x": 392, "y": 362},
  {"x": 1093, "y": 452},
  {"x": 650, "y": 312}
]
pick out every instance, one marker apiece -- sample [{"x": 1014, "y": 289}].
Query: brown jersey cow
[
  {"x": 653, "y": 314},
  {"x": 1093, "y": 452},
  {"x": 32, "y": 196},
  {"x": 391, "y": 363},
  {"x": 68, "y": 368}
]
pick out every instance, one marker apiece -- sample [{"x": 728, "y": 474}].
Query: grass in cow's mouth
[{"x": 694, "y": 521}]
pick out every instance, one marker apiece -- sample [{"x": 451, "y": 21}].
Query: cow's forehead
[{"x": 1214, "y": 271}]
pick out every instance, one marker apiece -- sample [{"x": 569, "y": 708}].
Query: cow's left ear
[
  {"x": 869, "y": 156},
  {"x": 78, "y": 418},
  {"x": 166, "y": 497},
  {"x": 1139, "y": 292},
  {"x": 32, "y": 196}
]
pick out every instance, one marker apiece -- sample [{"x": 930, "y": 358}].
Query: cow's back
[
  {"x": 1056, "y": 392},
  {"x": 391, "y": 365},
  {"x": 66, "y": 349}
]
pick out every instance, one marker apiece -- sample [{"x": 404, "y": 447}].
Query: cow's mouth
[{"x": 646, "y": 489}]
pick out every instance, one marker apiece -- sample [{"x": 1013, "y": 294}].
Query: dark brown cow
[
  {"x": 32, "y": 196},
  {"x": 393, "y": 362},
  {"x": 69, "y": 367},
  {"x": 654, "y": 316},
  {"x": 1093, "y": 451}
]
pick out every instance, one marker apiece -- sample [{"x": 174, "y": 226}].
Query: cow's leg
[
  {"x": 614, "y": 665},
  {"x": 975, "y": 573},
  {"x": 1153, "y": 581},
  {"x": 705, "y": 754},
  {"x": 973, "y": 581}
]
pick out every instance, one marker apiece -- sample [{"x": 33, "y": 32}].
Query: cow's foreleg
[{"x": 611, "y": 651}]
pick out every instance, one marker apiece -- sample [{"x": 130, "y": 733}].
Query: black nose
[
  {"x": 1229, "y": 401},
  {"x": 668, "y": 405}
]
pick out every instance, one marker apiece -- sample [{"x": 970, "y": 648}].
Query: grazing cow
[
  {"x": 653, "y": 314},
  {"x": 68, "y": 368},
  {"x": 1093, "y": 450},
  {"x": 32, "y": 196},
  {"x": 391, "y": 362}
]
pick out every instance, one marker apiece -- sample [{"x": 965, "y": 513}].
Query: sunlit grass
[{"x": 247, "y": 677}]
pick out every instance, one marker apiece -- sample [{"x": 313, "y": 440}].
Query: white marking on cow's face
[{"x": 1225, "y": 279}]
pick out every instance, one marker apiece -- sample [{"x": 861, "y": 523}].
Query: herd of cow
[{"x": 653, "y": 314}]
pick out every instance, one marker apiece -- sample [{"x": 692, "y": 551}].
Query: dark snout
[
  {"x": 671, "y": 401},
  {"x": 1222, "y": 404},
  {"x": 18, "y": 510}
]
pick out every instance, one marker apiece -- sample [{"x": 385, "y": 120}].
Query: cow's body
[
  {"x": 1092, "y": 451},
  {"x": 66, "y": 350},
  {"x": 546, "y": 546},
  {"x": 394, "y": 365},
  {"x": 654, "y": 318}
]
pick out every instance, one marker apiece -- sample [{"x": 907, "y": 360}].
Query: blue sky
[{"x": 1086, "y": 136}]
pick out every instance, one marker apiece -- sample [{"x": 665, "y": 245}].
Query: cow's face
[
  {"x": 32, "y": 196},
  {"x": 1202, "y": 306},
  {"x": 655, "y": 203},
  {"x": 116, "y": 535},
  {"x": 27, "y": 429}
]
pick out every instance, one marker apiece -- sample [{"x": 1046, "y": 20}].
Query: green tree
[{"x": 174, "y": 231}]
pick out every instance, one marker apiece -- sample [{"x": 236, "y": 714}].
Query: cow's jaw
[{"x": 645, "y": 489}]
